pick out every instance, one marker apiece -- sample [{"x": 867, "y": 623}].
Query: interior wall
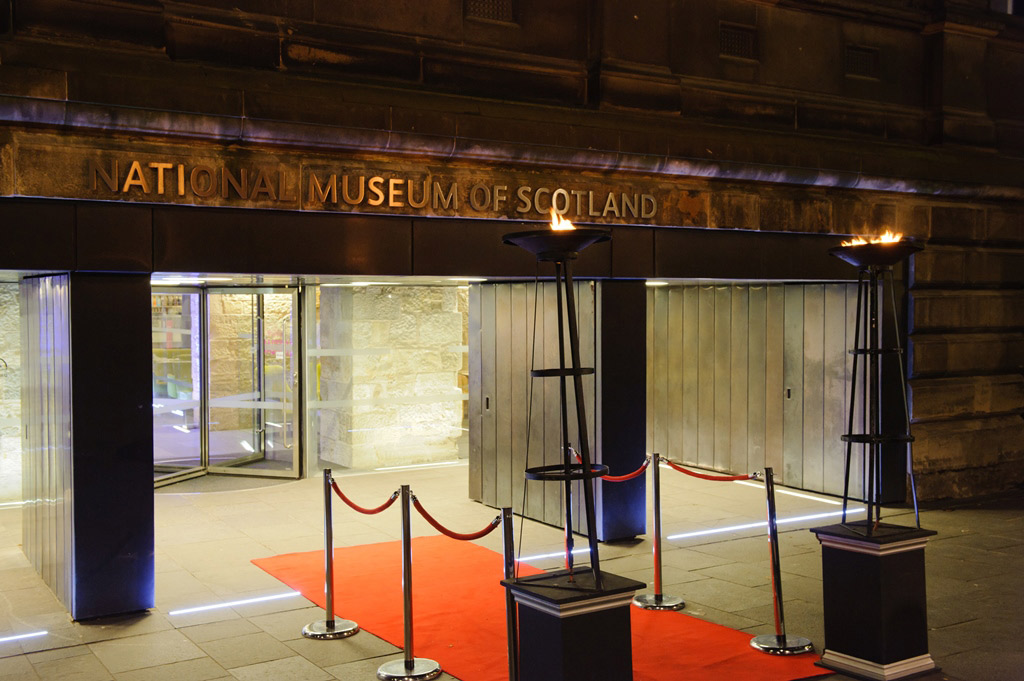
[{"x": 390, "y": 370}]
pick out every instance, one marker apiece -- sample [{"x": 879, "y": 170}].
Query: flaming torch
[
  {"x": 882, "y": 251},
  {"x": 558, "y": 223}
]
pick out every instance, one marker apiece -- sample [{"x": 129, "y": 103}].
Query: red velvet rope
[
  {"x": 367, "y": 511},
  {"x": 455, "y": 535},
  {"x": 628, "y": 476},
  {"x": 620, "y": 478},
  {"x": 705, "y": 476}
]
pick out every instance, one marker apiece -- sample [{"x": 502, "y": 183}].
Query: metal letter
[
  {"x": 525, "y": 202},
  {"x": 261, "y": 185},
  {"x": 211, "y": 184},
  {"x": 500, "y": 196},
  {"x": 135, "y": 178},
  {"x": 610, "y": 205},
  {"x": 645, "y": 200},
  {"x": 344, "y": 191},
  {"x": 109, "y": 179},
  {"x": 160, "y": 168},
  {"x": 395, "y": 192},
  {"x": 449, "y": 200},
  {"x": 321, "y": 194},
  {"x": 426, "y": 194},
  {"x": 239, "y": 184},
  {"x": 376, "y": 185}
]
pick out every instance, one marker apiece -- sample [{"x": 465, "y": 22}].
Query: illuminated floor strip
[
  {"x": 789, "y": 493},
  {"x": 229, "y": 604},
  {"x": 21, "y": 636},
  {"x": 559, "y": 554},
  {"x": 764, "y": 523},
  {"x": 421, "y": 465}
]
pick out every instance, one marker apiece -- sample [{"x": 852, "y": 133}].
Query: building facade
[{"x": 146, "y": 147}]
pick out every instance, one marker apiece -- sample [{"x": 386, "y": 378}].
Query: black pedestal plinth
[
  {"x": 568, "y": 631},
  {"x": 876, "y": 624}
]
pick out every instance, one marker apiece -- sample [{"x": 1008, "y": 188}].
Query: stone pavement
[{"x": 209, "y": 529}]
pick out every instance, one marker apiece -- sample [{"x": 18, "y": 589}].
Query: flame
[
  {"x": 887, "y": 238},
  {"x": 558, "y": 224}
]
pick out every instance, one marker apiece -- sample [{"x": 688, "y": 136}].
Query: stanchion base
[
  {"x": 781, "y": 645},
  {"x": 325, "y": 631},
  {"x": 656, "y": 602},
  {"x": 422, "y": 670}
]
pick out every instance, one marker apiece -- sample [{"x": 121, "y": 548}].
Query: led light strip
[
  {"x": 541, "y": 556},
  {"x": 792, "y": 494},
  {"x": 21, "y": 636},
  {"x": 422, "y": 465},
  {"x": 229, "y": 604},
  {"x": 764, "y": 523}
]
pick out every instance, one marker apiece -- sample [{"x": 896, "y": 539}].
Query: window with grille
[
  {"x": 737, "y": 41},
  {"x": 491, "y": 10},
  {"x": 861, "y": 62}
]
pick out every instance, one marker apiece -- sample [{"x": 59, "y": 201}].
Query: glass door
[
  {"x": 252, "y": 381},
  {"x": 225, "y": 382},
  {"x": 177, "y": 367}
]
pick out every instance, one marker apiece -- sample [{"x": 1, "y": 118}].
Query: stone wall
[
  {"x": 967, "y": 352},
  {"x": 391, "y": 374},
  {"x": 10, "y": 394}
]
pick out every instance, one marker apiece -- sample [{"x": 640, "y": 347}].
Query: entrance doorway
[{"x": 225, "y": 382}]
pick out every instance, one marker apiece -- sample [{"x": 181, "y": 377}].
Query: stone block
[
  {"x": 969, "y": 482},
  {"x": 376, "y": 302},
  {"x": 853, "y": 216},
  {"x": 734, "y": 211},
  {"x": 957, "y": 397},
  {"x": 238, "y": 46},
  {"x": 942, "y": 310},
  {"x": 370, "y": 334},
  {"x": 938, "y": 266},
  {"x": 994, "y": 267},
  {"x": 31, "y": 82},
  {"x": 813, "y": 215},
  {"x": 957, "y": 223},
  {"x": 777, "y": 214},
  {"x": 969, "y": 443},
  {"x": 441, "y": 330},
  {"x": 968, "y": 353},
  {"x": 1005, "y": 225}
]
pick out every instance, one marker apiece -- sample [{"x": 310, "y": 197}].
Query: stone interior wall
[
  {"x": 10, "y": 394},
  {"x": 393, "y": 374}
]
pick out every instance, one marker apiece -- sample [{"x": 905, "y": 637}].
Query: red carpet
[{"x": 459, "y": 615}]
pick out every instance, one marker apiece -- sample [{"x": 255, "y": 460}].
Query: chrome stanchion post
[
  {"x": 331, "y": 627},
  {"x": 508, "y": 544},
  {"x": 778, "y": 643},
  {"x": 657, "y": 600},
  {"x": 410, "y": 668}
]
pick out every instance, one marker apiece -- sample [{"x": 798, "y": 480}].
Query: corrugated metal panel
[
  {"x": 749, "y": 376},
  {"x": 520, "y": 423},
  {"x": 48, "y": 521}
]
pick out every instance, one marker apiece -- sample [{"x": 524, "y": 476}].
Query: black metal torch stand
[
  {"x": 873, "y": 578},
  {"x": 573, "y": 624}
]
